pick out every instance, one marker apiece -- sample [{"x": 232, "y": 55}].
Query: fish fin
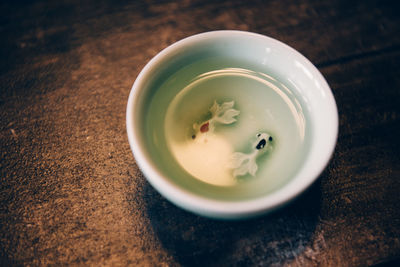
[
  {"x": 214, "y": 109},
  {"x": 252, "y": 166}
]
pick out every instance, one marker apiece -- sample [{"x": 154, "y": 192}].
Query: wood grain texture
[{"x": 71, "y": 193}]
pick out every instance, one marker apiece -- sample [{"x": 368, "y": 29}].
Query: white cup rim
[{"x": 240, "y": 208}]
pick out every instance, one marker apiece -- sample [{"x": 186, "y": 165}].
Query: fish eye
[
  {"x": 270, "y": 138},
  {"x": 258, "y": 135}
]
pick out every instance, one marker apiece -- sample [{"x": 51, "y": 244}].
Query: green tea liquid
[{"x": 265, "y": 105}]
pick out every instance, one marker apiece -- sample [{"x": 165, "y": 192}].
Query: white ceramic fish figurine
[
  {"x": 223, "y": 114},
  {"x": 242, "y": 163}
]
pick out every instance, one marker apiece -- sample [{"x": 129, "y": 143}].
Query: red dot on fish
[{"x": 204, "y": 127}]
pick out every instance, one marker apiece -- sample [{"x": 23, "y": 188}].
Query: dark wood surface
[{"x": 71, "y": 193}]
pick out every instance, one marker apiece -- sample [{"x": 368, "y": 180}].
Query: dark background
[{"x": 71, "y": 193}]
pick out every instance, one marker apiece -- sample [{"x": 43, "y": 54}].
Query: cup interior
[{"x": 183, "y": 66}]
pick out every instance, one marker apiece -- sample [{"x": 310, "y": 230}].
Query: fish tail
[
  {"x": 224, "y": 113},
  {"x": 243, "y": 164},
  {"x": 237, "y": 159}
]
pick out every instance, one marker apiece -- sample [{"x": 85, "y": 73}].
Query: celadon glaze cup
[{"x": 166, "y": 77}]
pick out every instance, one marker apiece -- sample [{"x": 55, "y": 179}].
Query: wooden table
[{"x": 71, "y": 193}]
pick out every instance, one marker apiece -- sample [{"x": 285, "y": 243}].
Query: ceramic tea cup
[{"x": 271, "y": 92}]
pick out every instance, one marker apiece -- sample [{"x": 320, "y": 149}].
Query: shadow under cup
[{"x": 275, "y": 89}]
